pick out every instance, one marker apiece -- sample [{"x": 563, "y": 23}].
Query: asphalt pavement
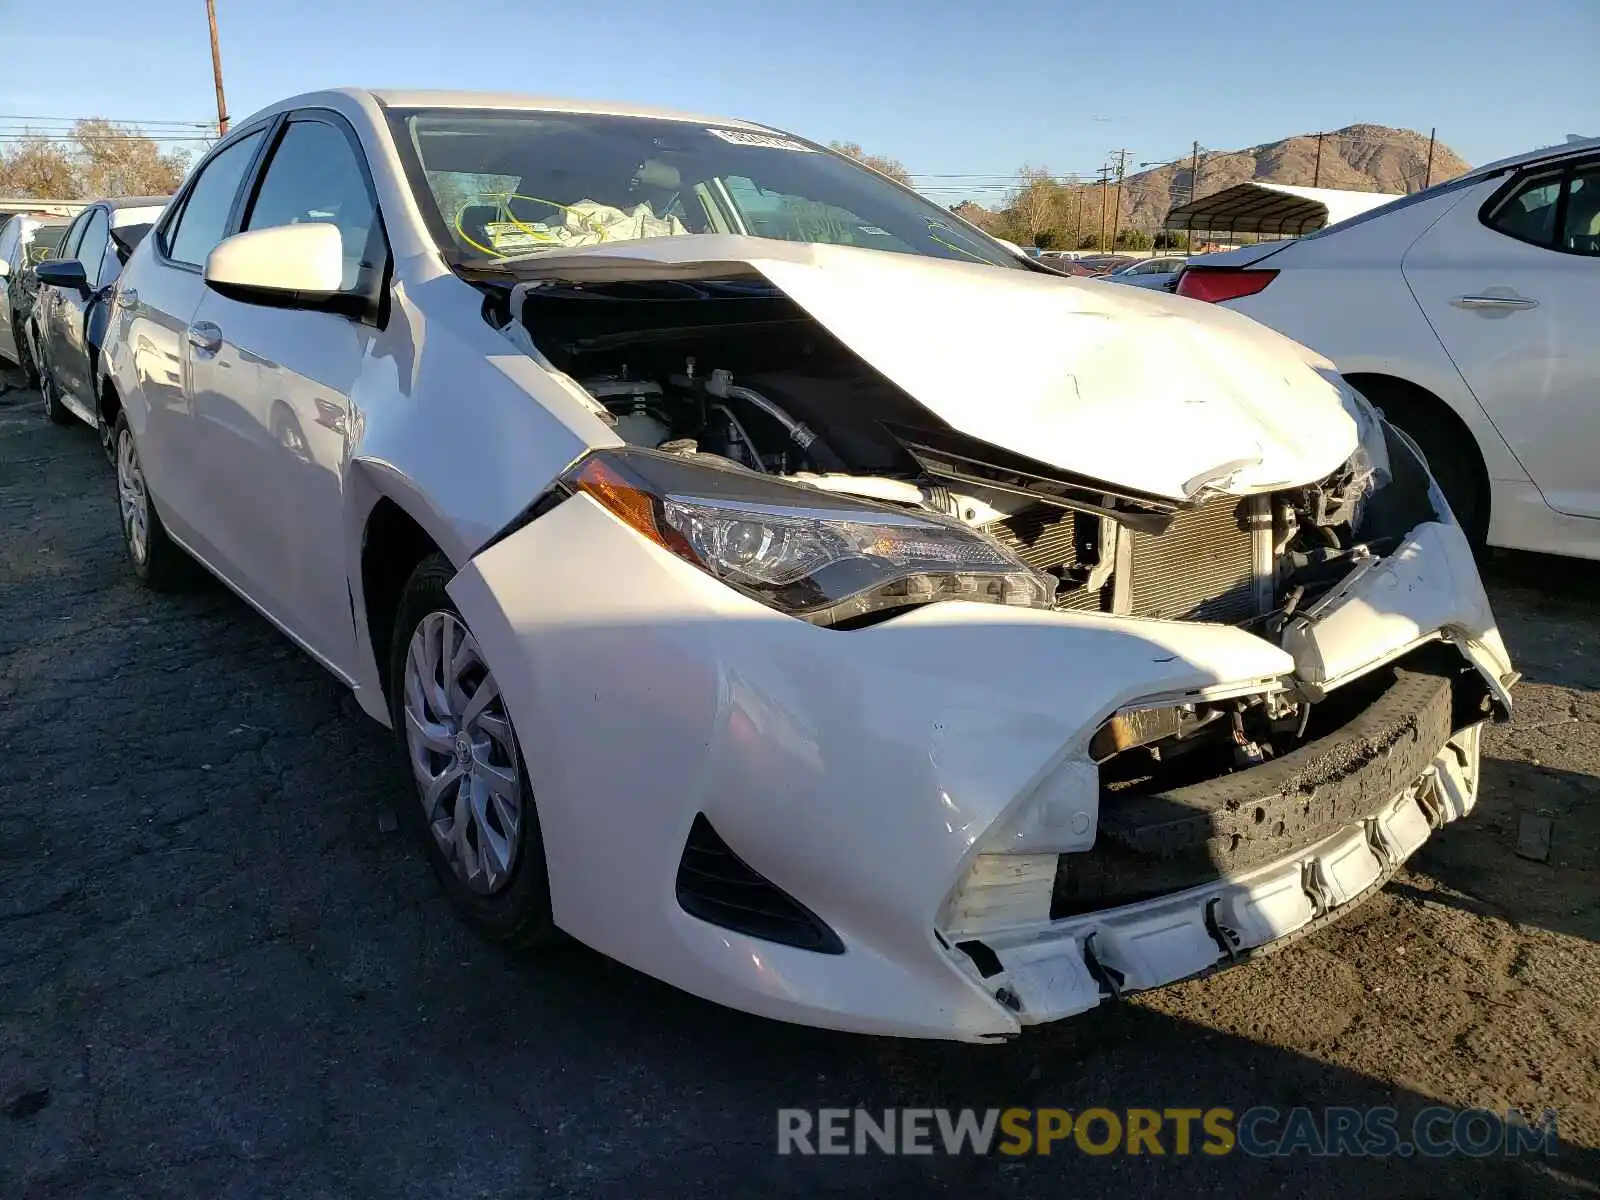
[{"x": 222, "y": 974}]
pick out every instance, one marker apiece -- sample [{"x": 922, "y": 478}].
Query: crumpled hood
[{"x": 1131, "y": 387}]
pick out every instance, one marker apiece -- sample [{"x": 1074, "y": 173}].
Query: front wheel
[
  {"x": 473, "y": 809},
  {"x": 25, "y": 359},
  {"x": 156, "y": 559},
  {"x": 55, "y": 412}
]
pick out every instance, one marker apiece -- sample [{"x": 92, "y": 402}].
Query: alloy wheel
[
  {"x": 462, "y": 753},
  {"x": 133, "y": 499}
]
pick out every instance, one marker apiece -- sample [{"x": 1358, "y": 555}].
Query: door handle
[
  {"x": 205, "y": 337},
  {"x": 1495, "y": 303}
]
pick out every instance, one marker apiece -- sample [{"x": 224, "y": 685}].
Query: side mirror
[
  {"x": 62, "y": 273},
  {"x": 287, "y": 266}
]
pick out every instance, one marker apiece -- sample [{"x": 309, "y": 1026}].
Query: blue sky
[{"x": 950, "y": 89}]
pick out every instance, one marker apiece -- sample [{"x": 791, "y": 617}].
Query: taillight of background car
[{"x": 1216, "y": 284}]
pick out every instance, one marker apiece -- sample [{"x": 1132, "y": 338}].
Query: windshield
[
  {"x": 45, "y": 240},
  {"x": 494, "y": 184}
]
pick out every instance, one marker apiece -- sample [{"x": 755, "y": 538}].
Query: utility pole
[
  {"x": 1316, "y": 171},
  {"x": 1427, "y": 179},
  {"x": 1077, "y": 214},
  {"x": 1116, "y": 209},
  {"x": 1105, "y": 177},
  {"x": 216, "y": 69},
  {"x": 1194, "y": 174}
]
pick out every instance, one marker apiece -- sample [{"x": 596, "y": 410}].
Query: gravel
[{"x": 222, "y": 973}]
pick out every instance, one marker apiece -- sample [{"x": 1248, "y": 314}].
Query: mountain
[{"x": 1362, "y": 158}]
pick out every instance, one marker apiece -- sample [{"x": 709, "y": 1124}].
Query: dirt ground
[{"x": 221, "y": 976}]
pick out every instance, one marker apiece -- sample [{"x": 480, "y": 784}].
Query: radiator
[
  {"x": 1045, "y": 538},
  {"x": 1201, "y": 569}
]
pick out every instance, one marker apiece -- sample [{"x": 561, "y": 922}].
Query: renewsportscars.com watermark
[{"x": 1260, "y": 1132}]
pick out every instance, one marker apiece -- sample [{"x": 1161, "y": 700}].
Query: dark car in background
[
  {"x": 1104, "y": 264},
  {"x": 74, "y": 304},
  {"x": 26, "y": 239}
]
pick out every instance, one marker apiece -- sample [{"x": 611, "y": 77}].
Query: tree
[
  {"x": 38, "y": 167},
  {"x": 891, "y": 167},
  {"x": 100, "y": 158},
  {"x": 116, "y": 160},
  {"x": 1038, "y": 205}
]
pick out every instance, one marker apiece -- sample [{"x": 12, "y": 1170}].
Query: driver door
[
  {"x": 271, "y": 390},
  {"x": 68, "y": 352}
]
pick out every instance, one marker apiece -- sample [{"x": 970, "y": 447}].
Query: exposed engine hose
[{"x": 721, "y": 386}]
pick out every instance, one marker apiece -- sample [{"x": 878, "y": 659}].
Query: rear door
[{"x": 1512, "y": 288}]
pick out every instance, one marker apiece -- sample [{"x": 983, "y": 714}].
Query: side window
[
  {"x": 204, "y": 219},
  {"x": 70, "y": 243},
  {"x": 1580, "y": 225},
  {"x": 110, "y": 265},
  {"x": 9, "y": 238},
  {"x": 315, "y": 175},
  {"x": 92, "y": 245},
  {"x": 1529, "y": 213}
]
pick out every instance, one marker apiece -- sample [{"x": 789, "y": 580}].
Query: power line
[{"x": 125, "y": 121}]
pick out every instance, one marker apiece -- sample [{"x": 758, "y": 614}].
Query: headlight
[
  {"x": 1369, "y": 465},
  {"x": 1390, "y": 490},
  {"x": 824, "y": 557}
]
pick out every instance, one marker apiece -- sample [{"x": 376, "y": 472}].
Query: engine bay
[{"x": 734, "y": 371}]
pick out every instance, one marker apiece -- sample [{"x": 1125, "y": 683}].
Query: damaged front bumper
[
  {"x": 1069, "y": 966},
  {"x": 862, "y": 776}
]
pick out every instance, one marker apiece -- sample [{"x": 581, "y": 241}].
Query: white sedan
[
  {"x": 1148, "y": 272},
  {"x": 1467, "y": 314},
  {"x": 749, "y": 597}
]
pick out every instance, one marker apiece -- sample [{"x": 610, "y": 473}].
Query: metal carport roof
[{"x": 1272, "y": 208}]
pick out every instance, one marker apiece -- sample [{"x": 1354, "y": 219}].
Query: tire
[
  {"x": 1452, "y": 455},
  {"x": 495, "y": 879},
  {"x": 25, "y": 359},
  {"x": 56, "y": 412},
  {"x": 156, "y": 559}
]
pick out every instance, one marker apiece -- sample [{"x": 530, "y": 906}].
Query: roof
[
  {"x": 36, "y": 218},
  {"x": 34, "y": 207},
  {"x": 117, "y": 202},
  {"x": 1272, "y": 208},
  {"x": 425, "y": 98},
  {"x": 1573, "y": 145}
]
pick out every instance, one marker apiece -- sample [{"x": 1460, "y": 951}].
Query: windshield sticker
[
  {"x": 767, "y": 141},
  {"x": 507, "y": 238},
  {"x": 873, "y": 231}
]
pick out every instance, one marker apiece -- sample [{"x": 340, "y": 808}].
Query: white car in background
[
  {"x": 73, "y": 305},
  {"x": 1468, "y": 314},
  {"x": 749, "y": 597},
  {"x": 26, "y": 239},
  {"x": 1148, "y": 273}
]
